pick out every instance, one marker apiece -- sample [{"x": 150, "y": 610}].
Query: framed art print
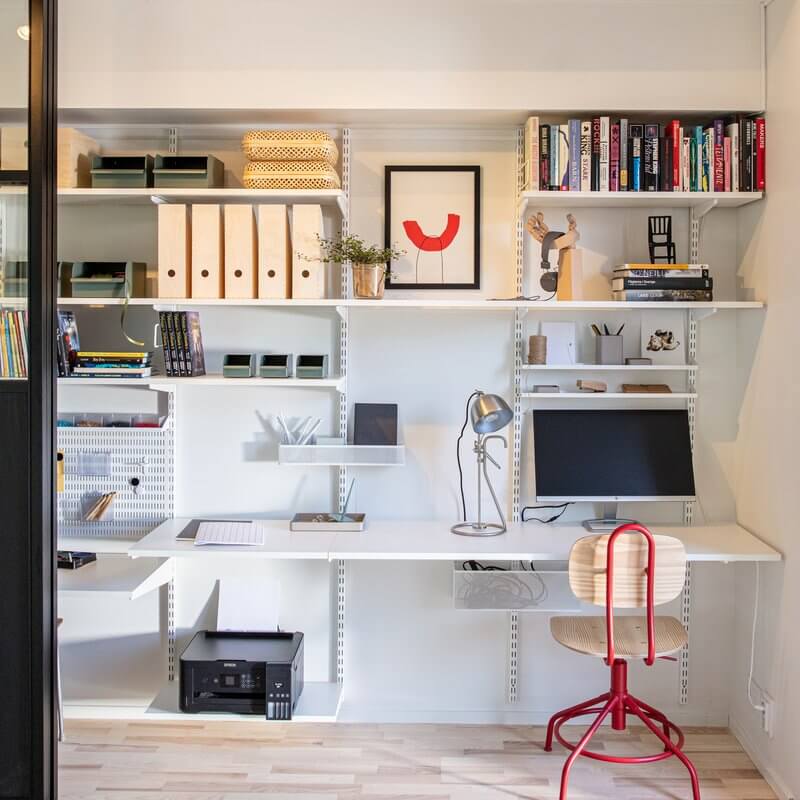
[{"x": 433, "y": 213}]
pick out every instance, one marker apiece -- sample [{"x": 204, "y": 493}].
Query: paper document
[
  {"x": 245, "y": 533},
  {"x": 248, "y": 604}
]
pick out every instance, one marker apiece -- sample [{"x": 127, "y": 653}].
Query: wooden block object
[
  {"x": 208, "y": 277},
  {"x": 74, "y": 162},
  {"x": 646, "y": 388},
  {"x": 274, "y": 253},
  {"x": 308, "y": 269},
  {"x": 241, "y": 271},
  {"x": 570, "y": 276},
  {"x": 174, "y": 251},
  {"x": 14, "y": 148},
  {"x": 592, "y": 386}
]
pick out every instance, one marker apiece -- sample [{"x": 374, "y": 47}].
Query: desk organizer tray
[
  {"x": 328, "y": 522},
  {"x": 122, "y": 172},
  {"x": 108, "y": 279},
  {"x": 290, "y": 175},
  {"x": 188, "y": 172},
  {"x": 278, "y": 145}
]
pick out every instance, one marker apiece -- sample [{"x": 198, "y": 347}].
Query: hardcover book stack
[
  {"x": 662, "y": 283},
  {"x": 13, "y": 343},
  {"x": 90, "y": 364},
  {"x": 183, "y": 344},
  {"x": 618, "y": 155}
]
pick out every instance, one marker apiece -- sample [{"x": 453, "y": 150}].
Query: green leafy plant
[{"x": 353, "y": 249}]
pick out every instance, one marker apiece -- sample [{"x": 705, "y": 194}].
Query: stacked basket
[{"x": 280, "y": 159}]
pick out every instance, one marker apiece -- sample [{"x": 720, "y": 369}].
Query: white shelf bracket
[
  {"x": 158, "y": 199},
  {"x": 699, "y": 314},
  {"x": 342, "y": 312},
  {"x": 699, "y": 211},
  {"x": 160, "y": 576}
]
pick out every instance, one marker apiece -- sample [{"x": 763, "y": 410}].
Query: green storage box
[
  {"x": 188, "y": 172},
  {"x": 14, "y": 279},
  {"x": 312, "y": 367},
  {"x": 238, "y": 365},
  {"x": 275, "y": 366},
  {"x": 122, "y": 172},
  {"x": 108, "y": 279}
]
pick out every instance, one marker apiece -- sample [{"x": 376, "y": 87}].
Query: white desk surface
[{"x": 426, "y": 540}]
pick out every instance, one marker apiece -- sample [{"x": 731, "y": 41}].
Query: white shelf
[
  {"x": 95, "y": 544},
  {"x": 319, "y": 702},
  {"x": 599, "y": 396},
  {"x": 203, "y": 381},
  {"x": 609, "y": 367},
  {"x": 537, "y": 199},
  {"x": 325, "y": 197},
  {"x": 338, "y": 455},
  {"x": 116, "y": 574}
]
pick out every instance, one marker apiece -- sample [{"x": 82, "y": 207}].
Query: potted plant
[{"x": 370, "y": 263}]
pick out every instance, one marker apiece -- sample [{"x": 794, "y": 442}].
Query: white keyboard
[{"x": 229, "y": 533}]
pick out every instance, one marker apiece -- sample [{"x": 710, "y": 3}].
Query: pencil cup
[
  {"x": 608, "y": 350},
  {"x": 537, "y": 349}
]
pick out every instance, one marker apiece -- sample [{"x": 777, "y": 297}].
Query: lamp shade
[{"x": 490, "y": 413}]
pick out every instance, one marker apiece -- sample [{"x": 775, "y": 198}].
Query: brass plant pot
[{"x": 369, "y": 281}]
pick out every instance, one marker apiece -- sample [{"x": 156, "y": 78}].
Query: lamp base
[{"x": 478, "y": 529}]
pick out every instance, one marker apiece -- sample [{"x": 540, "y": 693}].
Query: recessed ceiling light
[{"x": 24, "y": 32}]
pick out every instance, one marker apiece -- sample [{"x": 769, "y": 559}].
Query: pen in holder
[{"x": 608, "y": 346}]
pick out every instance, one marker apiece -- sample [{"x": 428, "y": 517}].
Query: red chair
[{"x": 630, "y": 568}]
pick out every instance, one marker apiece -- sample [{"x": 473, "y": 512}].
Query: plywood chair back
[{"x": 588, "y": 569}]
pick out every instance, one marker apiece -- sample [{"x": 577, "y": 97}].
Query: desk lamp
[{"x": 488, "y": 413}]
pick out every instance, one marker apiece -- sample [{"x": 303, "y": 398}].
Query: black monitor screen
[{"x": 612, "y": 454}]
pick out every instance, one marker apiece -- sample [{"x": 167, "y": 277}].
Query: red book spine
[
  {"x": 761, "y": 154},
  {"x": 613, "y": 159},
  {"x": 726, "y": 151},
  {"x": 675, "y": 137},
  {"x": 718, "y": 165}
]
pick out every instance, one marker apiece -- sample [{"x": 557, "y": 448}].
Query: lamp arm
[{"x": 486, "y": 475}]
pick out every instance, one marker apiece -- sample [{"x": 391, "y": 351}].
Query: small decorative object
[
  {"x": 546, "y": 388},
  {"x": 608, "y": 349},
  {"x": 537, "y": 349},
  {"x": 592, "y": 386},
  {"x": 638, "y": 362},
  {"x": 566, "y": 279},
  {"x": 489, "y": 413},
  {"x": 434, "y": 212},
  {"x": 275, "y": 366},
  {"x": 369, "y": 263},
  {"x": 98, "y": 507},
  {"x": 659, "y": 240},
  {"x": 238, "y": 365},
  {"x": 663, "y": 337},
  {"x": 375, "y": 424},
  {"x": 646, "y": 388}
]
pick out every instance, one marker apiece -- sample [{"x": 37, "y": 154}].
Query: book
[
  {"x": 698, "y": 155},
  {"x": 69, "y": 339},
  {"x": 613, "y": 159},
  {"x": 708, "y": 158},
  {"x": 623, "y": 283},
  {"x": 595, "y": 183},
  {"x": 732, "y": 132},
  {"x": 113, "y": 372},
  {"x": 192, "y": 339},
  {"x": 637, "y": 135},
  {"x": 623, "y": 155},
  {"x": 177, "y": 367},
  {"x": 586, "y": 156},
  {"x": 761, "y": 154},
  {"x": 648, "y": 266},
  {"x": 574, "y": 128},
  {"x": 746, "y": 144},
  {"x": 675, "y": 139},
  {"x": 563, "y": 158},
  {"x": 554, "y": 154},
  {"x": 544, "y": 157},
  {"x": 660, "y": 273},
  {"x": 168, "y": 366},
  {"x": 650, "y": 165},
  {"x": 718, "y": 156},
  {"x": 686, "y": 163},
  {"x": 665, "y": 164},
  {"x": 531, "y": 138},
  {"x": 664, "y": 295},
  {"x": 726, "y": 157},
  {"x": 179, "y": 354},
  {"x": 605, "y": 143}
]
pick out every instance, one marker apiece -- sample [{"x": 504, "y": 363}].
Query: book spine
[
  {"x": 650, "y": 158},
  {"x": 726, "y": 158},
  {"x": 198, "y": 366},
  {"x": 563, "y": 157},
  {"x": 665, "y": 295},
  {"x": 21, "y": 346},
  {"x": 6, "y": 367},
  {"x": 623, "y": 155},
  {"x": 708, "y": 148},
  {"x": 676, "y": 142},
  {"x": 12, "y": 325},
  {"x": 554, "y": 157},
  {"x": 662, "y": 283},
  {"x": 665, "y": 164},
  {"x": 586, "y": 156},
  {"x": 613, "y": 159},
  {"x": 544, "y": 157},
  {"x": 719, "y": 156},
  {"x": 732, "y": 132},
  {"x": 531, "y": 178},
  {"x": 185, "y": 344},
  {"x": 605, "y": 141},
  {"x": 168, "y": 368},
  {"x": 637, "y": 135},
  {"x": 761, "y": 154},
  {"x": 574, "y": 155},
  {"x": 173, "y": 351},
  {"x": 747, "y": 154},
  {"x": 175, "y": 317},
  {"x": 686, "y": 164},
  {"x": 596, "y": 154},
  {"x": 661, "y": 273}
]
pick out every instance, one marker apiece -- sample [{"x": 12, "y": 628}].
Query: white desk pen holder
[{"x": 297, "y": 430}]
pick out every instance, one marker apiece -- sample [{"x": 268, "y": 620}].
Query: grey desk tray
[
  {"x": 188, "y": 172},
  {"x": 122, "y": 172}
]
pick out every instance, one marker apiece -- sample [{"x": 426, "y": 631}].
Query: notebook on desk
[{"x": 213, "y": 532}]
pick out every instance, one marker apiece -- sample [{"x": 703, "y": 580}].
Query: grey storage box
[
  {"x": 108, "y": 279},
  {"x": 188, "y": 172},
  {"x": 14, "y": 279},
  {"x": 312, "y": 367},
  {"x": 122, "y": 172},
  {"x": 608, "y": 350},
  {"x": 238, "y": 365},
  {"x": 275, "y": 366}
]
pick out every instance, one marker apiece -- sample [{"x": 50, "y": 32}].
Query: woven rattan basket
[
  {"x": 277, "y": 145},
  {"x": 290, "y": 175}
]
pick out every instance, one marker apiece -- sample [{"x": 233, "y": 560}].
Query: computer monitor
[{"x": 612, "y": 456}]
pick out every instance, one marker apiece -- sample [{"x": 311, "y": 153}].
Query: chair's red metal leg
[
  {"x": 676, "y": 751},
  {"x": 659, "y": 717},
  {"x": 568, "y": 712},
  {"x": 607, "y": 709}
]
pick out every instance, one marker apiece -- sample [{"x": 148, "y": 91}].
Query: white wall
[{"x": 769, "y": 434}]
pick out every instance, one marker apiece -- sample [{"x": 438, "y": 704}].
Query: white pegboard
[{"x": 144, "y": 453}]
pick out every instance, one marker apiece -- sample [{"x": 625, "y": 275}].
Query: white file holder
[
  {"x": 207, "y": 255},
  {"x": 240, "y": 252},
  {"x": 308, "y": 270},
  {"x": 274, "y": 253},
  {"x": 174, "y": 251}
]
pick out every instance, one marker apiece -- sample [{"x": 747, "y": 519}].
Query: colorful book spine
[
  {"x": 554, "y": 148},
  {"x": 651, "y": 158},
  {"x": 726, "y": 160},
  {"x": 686, "y": 163},
  {"x": 544, "y": 157},
  {"x": 637, "y": 136},
  {"x": 746, "y": 135},
  {"x": 586, "y": 156},
  {"x": 563, "y": 157},
  {"x": 719, "y": 155},
  {"x": 708, "y": 158},
  {"x": 623, "y": 284},
  {"x": 531, "y": 177},
  {"x": 761, "y": 154},
  {"x": 623, "y": 155},
  {"x": 613, "y": 159},
  {"x": 596, "y": 154},
  {"x": 165, "y": 346},
  {"x": 605, "y": 143},
  {"x": 698, "y": 155},
  {"x": 574, "y": 127},
  {"x": 732, "y": 132},
  {"x": 664, "y": 295},
  {"x": 675, "y": 143}
]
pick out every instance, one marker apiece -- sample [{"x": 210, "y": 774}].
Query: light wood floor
[{"x": 237, "y": 760}]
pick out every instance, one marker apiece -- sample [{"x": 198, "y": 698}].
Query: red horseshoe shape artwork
[{"x": 432, "y": 244}]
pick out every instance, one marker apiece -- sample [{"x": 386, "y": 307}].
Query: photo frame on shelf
[{"x": 434, "y": 214}]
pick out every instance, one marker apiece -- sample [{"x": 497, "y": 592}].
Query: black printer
[{"x": 242, "y": 673}]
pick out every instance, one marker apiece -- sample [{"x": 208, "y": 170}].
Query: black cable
[
  {"x": 458, "y": 456},
  {"x": 562, "y": 506}
]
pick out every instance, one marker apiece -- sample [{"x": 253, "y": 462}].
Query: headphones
[{"x": 549, "y": 279}]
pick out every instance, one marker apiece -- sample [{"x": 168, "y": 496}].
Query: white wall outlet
[{"x": 768, "y": 714}]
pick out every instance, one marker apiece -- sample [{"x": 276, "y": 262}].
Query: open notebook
[{"x": 227, "y": 533}]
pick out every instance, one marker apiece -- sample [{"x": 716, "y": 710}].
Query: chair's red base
[{"x": 618, "y": 702}]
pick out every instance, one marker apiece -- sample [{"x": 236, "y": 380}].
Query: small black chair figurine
[{"x": 659, "y": 237}]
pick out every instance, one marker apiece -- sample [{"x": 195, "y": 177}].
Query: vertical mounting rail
[
  {"x": 173, "y": 141},
  {"x": 171, "y": 636},
  {"x": 686, "y": 613},
  {"x": 513, "y": 656},
  {"x": 341, "y": 595}
]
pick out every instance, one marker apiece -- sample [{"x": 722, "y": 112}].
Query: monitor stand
[{"x": 609, "y": 522}]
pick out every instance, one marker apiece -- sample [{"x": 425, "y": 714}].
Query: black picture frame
[{"x": 389, "y": 170}]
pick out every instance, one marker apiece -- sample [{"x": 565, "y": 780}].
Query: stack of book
[
  {"x": 662, "y": 282},
  {"x": 183, "y": 343},
  {"x": 617, "y": 155},
  {"x": 111, "y": 365},
  {"x": 13, "y": 343}
]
